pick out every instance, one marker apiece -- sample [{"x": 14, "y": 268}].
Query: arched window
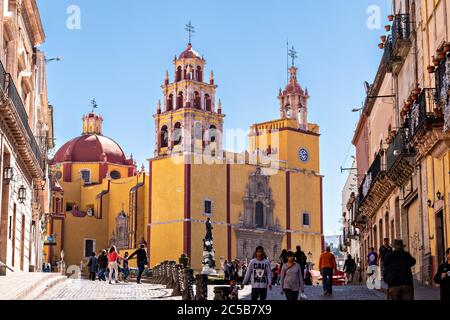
[
  {"x": 212, "y": 133},
  {"x": 170, "y": 103},
  {"x": 164, "y": 137},
  {"x": 288, "y": 111},
  {"x": 190, "y": 72},
  {"x": 180, "y": 100},
  {"x": 177, "y": 137},
  {"x": 86, "y": 176},
  {"x": 179, "y": 73},
  {"x": 259, "y": 215},
  {"x": 199, "y": 74},
  {"x": 207, "y": 103},
  {"x": 197, "y": 100}
]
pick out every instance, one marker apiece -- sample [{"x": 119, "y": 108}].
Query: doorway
[{"x": 440, "y": 237}]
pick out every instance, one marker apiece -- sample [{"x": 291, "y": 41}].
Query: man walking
[
  {"x": 442, "y": 278},
  {"x": 398, "y": 274},
  {"x": 301, "y": 259},
  {"x": 327, "y": 265},
  {"x": 102, "y": 265},
  {"x": 142, "y": 261},
  {"x": 383, "y": 252}
]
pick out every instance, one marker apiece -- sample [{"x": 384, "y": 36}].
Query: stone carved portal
[{"x": 257, "y": 225}]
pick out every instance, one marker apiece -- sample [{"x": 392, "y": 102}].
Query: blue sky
[{"x": 121, "y": 53}]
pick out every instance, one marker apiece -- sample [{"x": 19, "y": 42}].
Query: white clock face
[{"x": 303, "y": 155}]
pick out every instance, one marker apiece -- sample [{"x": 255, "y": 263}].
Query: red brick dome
[
  {"x": 189, "y": 53},
  {"x": 91, "y": 148},
  {"x": 293, "y": 88}
]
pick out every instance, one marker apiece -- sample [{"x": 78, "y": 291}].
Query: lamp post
[
  {"x": 8, "y": 174},
  {"x": 22, "y": 194}
]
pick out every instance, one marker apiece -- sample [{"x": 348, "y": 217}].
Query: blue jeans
[
  {"x": 327, "y": 280},
  {"x": 101, "y": 274},
  {"x": 126, "y": 273}
]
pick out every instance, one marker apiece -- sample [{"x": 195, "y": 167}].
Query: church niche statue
[{"x": 121, "y": 233}]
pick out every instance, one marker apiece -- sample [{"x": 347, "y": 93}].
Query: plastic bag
[{"x": 303, "y": 296}]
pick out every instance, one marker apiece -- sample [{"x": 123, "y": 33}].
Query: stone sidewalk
[{"x": 19, "y": 285}]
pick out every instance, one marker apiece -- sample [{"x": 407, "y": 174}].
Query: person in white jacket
[{"x": 259, "y": 275}]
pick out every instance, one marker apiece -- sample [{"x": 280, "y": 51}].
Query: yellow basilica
[{"x": 270, "y": 195}]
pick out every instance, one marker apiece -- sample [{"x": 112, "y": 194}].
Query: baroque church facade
[{"x": 270, "y": 195}]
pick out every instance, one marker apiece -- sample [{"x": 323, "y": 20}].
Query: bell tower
[
  {"x": 294, "y": 101},
  {"x": 188, "y": 120}
]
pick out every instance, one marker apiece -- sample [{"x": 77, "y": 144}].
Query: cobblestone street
[{"x": 88, "y": 290}]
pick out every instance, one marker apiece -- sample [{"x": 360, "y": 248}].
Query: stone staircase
[{"x": 28, "y": 286}]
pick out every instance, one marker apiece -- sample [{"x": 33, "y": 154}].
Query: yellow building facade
[{"x": 270, "y": 195}]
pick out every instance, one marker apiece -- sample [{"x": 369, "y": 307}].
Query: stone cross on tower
[
  {"x": 94, "y": 105},
  {"x": 190, "y": 29},
  {"x": 293, "y": 55}
]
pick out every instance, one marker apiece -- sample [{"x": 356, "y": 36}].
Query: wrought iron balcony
[
  {"x": 399, "y": 159},
  {"x": 375, "y": 187},
  {"x": 401, "y": 29},
  {"x": 423, "y": 114},
  {"x": 398, "y": 43},
  {"x": 15, "y": 115}
]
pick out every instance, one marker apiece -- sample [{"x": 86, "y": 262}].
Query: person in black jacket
[
  {"x": 349, "y": 269},
  {"x": 142, "y": 261},
  {"x": 102, "y": 265},
  {"x": 398, "y": 274},
  {"x": 442, "y": 278},
  {"x": 301, "y": 259}
]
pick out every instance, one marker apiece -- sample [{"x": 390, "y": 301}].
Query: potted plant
[
  {"x": 391, "y": 17},
  {"x": 387, "y": 27},
  {"x": 381, "y": 45},
  {"x": 417, "y": 90},
  {"x": 184, "y": 260},
  {"x": 383, "y": 39},
  {"x": 430, "y": 69}
]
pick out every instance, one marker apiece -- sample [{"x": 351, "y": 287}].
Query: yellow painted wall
[{"x": 167, "y": 210}]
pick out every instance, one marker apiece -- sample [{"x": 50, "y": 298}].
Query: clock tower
[{"x": 291, "y": 141}]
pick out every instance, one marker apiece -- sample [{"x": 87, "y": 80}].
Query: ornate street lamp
[
  {"x": 22, "y": 194},
  {"x": 8, "y": 174}
]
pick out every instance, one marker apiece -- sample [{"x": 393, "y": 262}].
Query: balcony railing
[
  {"x": 388, "y": 50},
  {"x": 398, "y": 149},
  {"x": 401, "y": 28},
  {"x": 422, "y": 113},
  {"x": 375, "y": 169},
  {"x": 440, "y": 80},
  {"x": 9, "y": 88}
]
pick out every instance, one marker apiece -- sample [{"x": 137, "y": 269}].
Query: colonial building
[
  {"x": 402, "y": 143},
  {"x": 26, "y": 131},
  {"x": 350, "y": 235},
  {"x": 270, "y": 195}
]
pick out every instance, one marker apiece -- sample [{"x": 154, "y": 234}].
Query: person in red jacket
[
  {"x": 327, "y": 266},
  {"x": 112, "y": 264}
]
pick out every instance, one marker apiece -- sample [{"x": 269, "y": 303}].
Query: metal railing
[
  {"x": 388, "y": 50},
  {"x": 8, "y": 86},
  {"x": 422, "y": 112},
  {"x": 375, "y": 169},
  {"x": 397, "y": 149},
  {"x": 440, "y": 77},
  {"x": 401, "y": 28}
]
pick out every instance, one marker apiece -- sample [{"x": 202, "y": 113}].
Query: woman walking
[
  {"x": 291, "y": 278},
  {"x": 112, "y": 264},
  {"x": 259, "y": 274},
  {"x": 442, "y": 278}
]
